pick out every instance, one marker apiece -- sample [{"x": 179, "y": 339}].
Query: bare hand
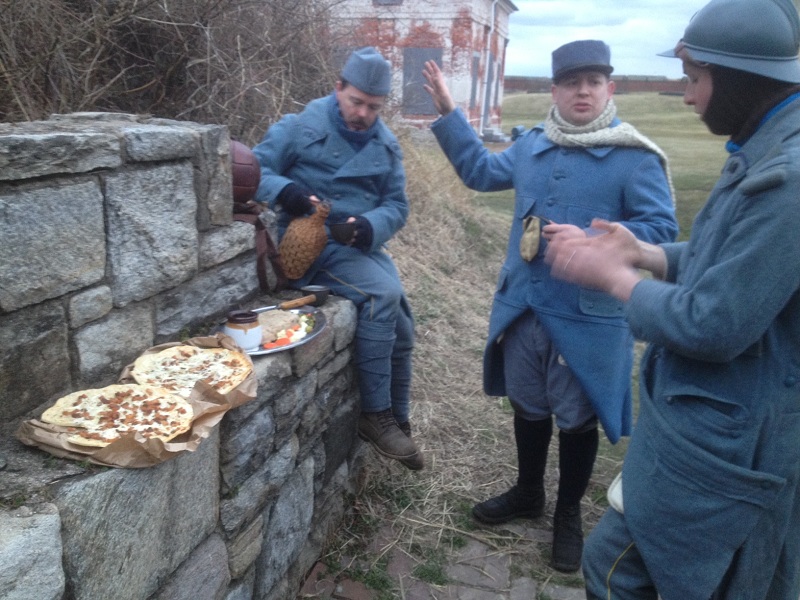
[
  {"x": 564, "y": 231},
  {"x": 437, "y": 88},
  {"x": 605, "y": 262}
]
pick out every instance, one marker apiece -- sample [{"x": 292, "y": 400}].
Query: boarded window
[{"x": 416, "y": 101}]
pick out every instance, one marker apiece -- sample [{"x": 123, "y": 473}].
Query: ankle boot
[
  {"x": 567, "y": 538},
  {"x": 381, "y": 431},
  {"x": 576, "y": 455},
  {"x": 416, "y": 462},
  {"x": 515, "y": 503},
  {"x": 527, "y": 498}
]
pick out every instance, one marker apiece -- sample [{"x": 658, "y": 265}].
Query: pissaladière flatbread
[
  {"x": 179, "y": 368},
  {"x": 98, "y": 417}
]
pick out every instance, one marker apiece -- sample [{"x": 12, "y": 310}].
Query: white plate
[{"x": 319, "y": 325}]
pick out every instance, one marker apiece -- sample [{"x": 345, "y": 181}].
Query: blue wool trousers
[
  {"x": 384, "y": 337},
  {"x": 612, "y": 565}
]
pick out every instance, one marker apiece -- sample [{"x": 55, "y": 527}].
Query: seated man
[{"x": 338, "y": 149}]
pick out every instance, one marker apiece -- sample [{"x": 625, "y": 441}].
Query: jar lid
[{"x": 242, "y": 316}]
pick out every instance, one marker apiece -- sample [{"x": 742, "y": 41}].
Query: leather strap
[{"x": 265, "y": 247}]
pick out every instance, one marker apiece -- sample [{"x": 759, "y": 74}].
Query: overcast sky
[{"x": 636, "y": 30}]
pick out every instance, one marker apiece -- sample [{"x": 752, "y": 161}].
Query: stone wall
[{"x": 117, "y": 234}]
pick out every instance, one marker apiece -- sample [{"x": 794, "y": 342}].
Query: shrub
[{"x": 242, "y": 63}]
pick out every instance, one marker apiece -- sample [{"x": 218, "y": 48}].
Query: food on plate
[
  {"x": 98, "y": 417},
  {"x": 274, "y": 321},
  {"x": 179, "y": 368},
  {"x": 293, "y": 333}
]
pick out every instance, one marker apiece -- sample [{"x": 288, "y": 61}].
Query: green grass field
[{"x": 695, "y": 155}]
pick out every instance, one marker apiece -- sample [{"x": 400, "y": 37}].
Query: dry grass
[{"x": 449, "y": 255}]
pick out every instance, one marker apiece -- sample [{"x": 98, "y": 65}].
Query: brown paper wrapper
[{"x": 133, "y": 451}]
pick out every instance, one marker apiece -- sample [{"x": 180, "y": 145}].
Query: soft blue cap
[
  {"x": 367, "y": 70},
  {"x": 582, "y": 55}
]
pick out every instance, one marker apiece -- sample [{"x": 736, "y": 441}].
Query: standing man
[
  {"x": 711, "y": 480},
  {"x": 339, "y": 150},
  {"x": 555, "y": 348}
]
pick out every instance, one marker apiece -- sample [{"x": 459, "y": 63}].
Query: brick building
[
  {"x": 625, "y": 84},
  {"x": 467, "y": 38}
]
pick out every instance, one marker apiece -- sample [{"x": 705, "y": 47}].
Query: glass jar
[{"x": 242, "y": 326}]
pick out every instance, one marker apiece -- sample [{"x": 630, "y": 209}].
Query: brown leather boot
[{"x": 381, "y": 431}]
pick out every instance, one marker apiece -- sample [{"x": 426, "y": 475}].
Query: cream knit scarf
[{"x": 598, "y": 133}]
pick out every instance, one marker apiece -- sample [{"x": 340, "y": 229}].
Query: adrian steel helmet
[{"x": 757, "y": 36}]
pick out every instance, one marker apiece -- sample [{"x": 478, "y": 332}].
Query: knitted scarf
[{"x": 598, "y": 133}]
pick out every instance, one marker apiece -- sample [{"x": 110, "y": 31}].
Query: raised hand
[{"x": 437, "y": 88}]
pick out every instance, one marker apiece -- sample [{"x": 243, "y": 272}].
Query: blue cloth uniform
[
  {"x": 565, "y": 185},
  {"x": 711, "y": 479},
  {"x": 365, "y": 178}
]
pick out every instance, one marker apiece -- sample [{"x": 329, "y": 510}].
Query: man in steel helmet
[{"x": 711, "y": 482}]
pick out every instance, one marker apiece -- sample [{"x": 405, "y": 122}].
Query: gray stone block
[
  {"x": 213, "y": 292},
  {"x": 125, "y": 530},
  {"x": 314, "y": 353},
  {"x": 149, "y": 143},
  {"x": 250, "y": 498},
  {"x": 288, "y": 528},
  {"x": 213, "y": 184},
  {"x": 100, "y": 118},
  {"x": 105, "y": 347},
  {"x": 343, "y": 319},
  {"x": 245, "y": 548},
  {"x": 246, "y": 447},
  {"x": 152, "y": 235},
  {"x": 90, "y": 305},
  {"x": 224, "y": 243},
  {"x": 28, "y": 155},
  {"x": 34, "y": 358},
  {"x": 242, "y": 589},
  {"x": 204, "y": 575},
  {"x": 340, "y": 436},
  {"x": 53, "y": 241},
  {"x": 30, "y": 554}
]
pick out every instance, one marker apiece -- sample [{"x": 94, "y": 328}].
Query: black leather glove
[
  {"x": 295, "y": 199},
  {"x": 363, "y": 233}
]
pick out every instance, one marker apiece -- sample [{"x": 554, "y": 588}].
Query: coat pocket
[{"x": 599, "y": 304}]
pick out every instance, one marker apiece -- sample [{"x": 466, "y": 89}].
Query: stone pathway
[{"x": 475, "y": 572}]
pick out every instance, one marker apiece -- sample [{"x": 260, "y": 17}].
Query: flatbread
[
  {"x": 275, "y": 321},
  {"x": 98, "y": 417},
  {"x": 179, "y": 368}
]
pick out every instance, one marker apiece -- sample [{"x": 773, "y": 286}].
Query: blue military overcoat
[
  {"x": 566, "y": 185},
  {"x": 712, "y": 475},
  {"x": 307, "y": 149}
]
